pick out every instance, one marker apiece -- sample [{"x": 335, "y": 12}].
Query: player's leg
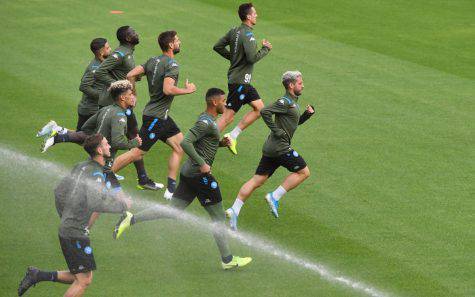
[
  {"x": 265, "y": 169},
  {"x": 182, "y": 197},
  {"x": 77, "y": 137},
  {"x": 34, "y": 275},
  {"x": 173, "y": 163},
  {"x": 81, "y": 120},
  {"x": 210, "y": 198},
  {"x": 225, "y": 119},
  {"x": 80, "y": 284},
  {"x": 249, "y": 118},
  {"x": 299, "y": 172}
]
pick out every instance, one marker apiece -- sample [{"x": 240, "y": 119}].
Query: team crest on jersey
[
  {"x": 205, "y": 121},
  {"x": 116, "y": 56},
  {"x": 281, "y": 101},
  {"x": 122, "y": 120}
]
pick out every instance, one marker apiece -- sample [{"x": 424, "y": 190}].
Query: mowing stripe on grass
[{"x": 48, "y": 169}]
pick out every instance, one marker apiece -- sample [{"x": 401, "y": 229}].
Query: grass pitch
[{"x": 390, "y": 199}]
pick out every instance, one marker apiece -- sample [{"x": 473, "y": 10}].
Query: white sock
[
  {"x": 60, "y": 130},
  {"x": 237, "y": 206},
  {"x": 278, "y": 193},
  {"x": 235, "y": 133}
]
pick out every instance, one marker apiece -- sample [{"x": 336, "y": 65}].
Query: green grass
[{"x": 390, "y": 199}]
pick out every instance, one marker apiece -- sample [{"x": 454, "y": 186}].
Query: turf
[{"x": 390, "y": 199}]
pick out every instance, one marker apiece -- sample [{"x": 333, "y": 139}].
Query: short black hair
[
  {"x": 244, "y": 10},
  {"x": 165, "y": 38},
  {"x": 212, "y": 93},
  {"x": 122, "y": 34},
  {"x": 97, "y": 44},
  {"x": 91, "y": 143}
]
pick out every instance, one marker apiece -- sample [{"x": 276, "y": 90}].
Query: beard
[
  {"x": 298, "y": 93},
  {"x": 134, "y": 40},
  {"x": 176, "y": 51}
]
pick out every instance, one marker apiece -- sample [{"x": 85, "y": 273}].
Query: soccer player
[
  {"x": 89, "y": 105},
  {"x": 277, "y": 150},
  {"x": 200, "y": 144},
  {"x": 114, "y": 68},
  {"x": 242, "y": 54},
  {"x": 89, "y": 101},
  {"x": 77, "y": 196},
  {"x": 162, "y": 77}
]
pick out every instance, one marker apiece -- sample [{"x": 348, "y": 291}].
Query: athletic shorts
[
  {"x": 291, "y": 160},
  {"x": 203, "y": 186},
  {"x": 78, "y": 254},
  {"x": 81, "y": 120},
  {"x": 239, "y": 95},
  {"x": 154, "y": 129}
]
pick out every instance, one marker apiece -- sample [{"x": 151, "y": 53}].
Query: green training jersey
[
  {"x": 287, "y": 116},
  {"x": 88, "y": 104},
  {"x": 156, "y": 69},
  {"x": 112, "y": 69},
  {"x": 242, "y": 53},
  {"x": 200, "y": 144},
  {"x": 111, "y": 122},
  {"x": 81, "y": 193}
]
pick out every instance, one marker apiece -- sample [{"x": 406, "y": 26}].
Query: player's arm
[
  {"x": 220, "y": 46},
  {"x": 309, "y": 111},
  {"x": 171, "y": 76},
  {"x": 135, "y": 74},
  {"x": 102, "y": 73},
  {"x": 90, "y": 125},
  {"x": 87, "y": 82},
  {"x": 118, "y": 138},
  {"x": 250, "y": 48},
  {"x": 198, "y": 131},
  {"x": 100, "y": 200},
  {"x": 278, "y": 107}
]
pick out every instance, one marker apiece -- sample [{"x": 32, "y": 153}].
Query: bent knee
[{"x": 305, "y": 172}]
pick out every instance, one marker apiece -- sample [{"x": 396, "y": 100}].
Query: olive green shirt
[
  {"x": 112, "y": 69},
  {"x": 88, "y": 104},
  {"x": 242, "y": 53},
  {"x": 287, "y": 115},
  {"x": 111, "y": 122},
  {"x": 81, "y": 193},
  {"x": 156, "y": 69},
  {"x": 200, "y": 144}
]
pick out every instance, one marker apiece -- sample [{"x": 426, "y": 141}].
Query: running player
[
  {"x": 78, "y": 195},
  {"x": 242, "y": 54},
  {"x": 114, "y": 68},
  {"x": 162, "y": 77},
  {"x": 277, "y": 151},
  {"x": 89, "y": 105},
  {"x": 200, "y": 144}
]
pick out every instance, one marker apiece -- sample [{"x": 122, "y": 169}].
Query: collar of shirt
[
  {"x": 246, "y": 26},
  {"x": 290, "y": 97}
]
